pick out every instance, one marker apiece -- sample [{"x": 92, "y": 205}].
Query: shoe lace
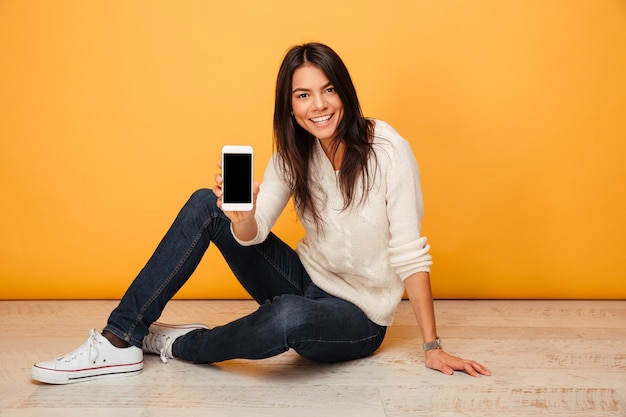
[
  {"x": 158, "y": 344},
  {"x": 90, "y": 347}
]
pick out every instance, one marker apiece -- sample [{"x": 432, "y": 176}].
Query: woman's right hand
[{"x": 243, "y": 222}]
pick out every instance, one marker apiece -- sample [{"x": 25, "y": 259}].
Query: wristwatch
[{"x": 435, "y": 344}]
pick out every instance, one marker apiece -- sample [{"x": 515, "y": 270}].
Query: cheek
[
  {"x": 299, "y": 114},
  {"x": 339, "y": 106},
  {"x": 297, "y": 108},
  {"x": 301, "y": 122}
]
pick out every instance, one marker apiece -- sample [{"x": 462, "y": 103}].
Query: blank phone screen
[{"x": 237, "y": 177}]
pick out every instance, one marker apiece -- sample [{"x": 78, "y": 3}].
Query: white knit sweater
[{"x": 363, "y": 253}]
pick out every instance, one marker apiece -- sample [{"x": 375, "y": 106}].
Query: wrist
[
  {"x": 244, "y": 229},
  {"x": 432, "y": 345}
]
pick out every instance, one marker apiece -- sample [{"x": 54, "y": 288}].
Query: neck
[{"x": 334, "y": 151}]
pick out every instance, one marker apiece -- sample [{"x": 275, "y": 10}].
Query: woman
[{"x": 355, "y": 184}]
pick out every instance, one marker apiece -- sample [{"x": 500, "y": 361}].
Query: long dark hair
[{"x": 295, "y": 145}]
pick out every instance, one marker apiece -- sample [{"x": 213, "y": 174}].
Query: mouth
[{"x": 321, "y": 120}]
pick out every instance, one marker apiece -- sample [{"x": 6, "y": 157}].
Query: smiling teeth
[{"x": 320, "y": 119}]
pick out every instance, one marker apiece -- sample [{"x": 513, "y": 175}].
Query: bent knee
[
  {"x": 291, "y": 309},
  {"x": 203, "y": 195},
  {"x": 202, "y": 198}
]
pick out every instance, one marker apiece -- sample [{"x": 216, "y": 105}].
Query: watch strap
[{"x": 435, "y": 344}]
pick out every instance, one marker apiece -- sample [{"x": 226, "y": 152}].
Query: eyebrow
[{"x": 301, "y": 89}]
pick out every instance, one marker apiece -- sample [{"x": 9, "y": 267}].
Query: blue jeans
[{"x": 293, "y": 313}]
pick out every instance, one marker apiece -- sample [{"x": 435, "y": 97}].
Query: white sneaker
[
  {"x": 96, "y": 358},
  {"x": 161, "y": 337}
]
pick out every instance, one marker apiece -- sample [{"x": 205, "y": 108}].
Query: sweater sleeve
[
  {"x": 408, "y": 250},
  {"x": 271, "y": 200}
]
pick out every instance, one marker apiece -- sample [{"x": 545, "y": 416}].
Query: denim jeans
[{"x": 294, "y": 313}]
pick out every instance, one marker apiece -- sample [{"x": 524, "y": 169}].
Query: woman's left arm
[{"x": 420, "y": 295}]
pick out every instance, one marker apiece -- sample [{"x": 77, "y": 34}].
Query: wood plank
[{"x": 557, "y": 358}]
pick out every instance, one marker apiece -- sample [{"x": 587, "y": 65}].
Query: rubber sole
[{"x": 54, "y": 376}]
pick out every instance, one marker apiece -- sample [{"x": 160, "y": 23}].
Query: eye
[
  {"x": 302, "y": 96},
  {"x": 330, "y": 90}
]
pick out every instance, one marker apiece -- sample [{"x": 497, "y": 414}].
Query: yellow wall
[{"x": 112, "y": 112}]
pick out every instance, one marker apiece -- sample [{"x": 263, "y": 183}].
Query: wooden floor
[{"x": 548, "y": 358}]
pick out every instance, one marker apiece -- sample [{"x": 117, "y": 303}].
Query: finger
[
  {"x": 469, "y": 368},
  {"x": 475, "y": 369},
  {"x": 445, "y": 369},
  {"x": 482, "y": 370}
]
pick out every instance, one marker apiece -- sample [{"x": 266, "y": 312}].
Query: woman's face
[{"x": 315, "y": 104}]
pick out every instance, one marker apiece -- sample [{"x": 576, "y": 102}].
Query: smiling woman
[{"x": 332, "y": 298}]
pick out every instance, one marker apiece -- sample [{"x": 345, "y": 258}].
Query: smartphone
[{"x": 237, "y": 177}]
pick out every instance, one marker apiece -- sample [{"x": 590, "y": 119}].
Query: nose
[{"x": 319, "y": 102}]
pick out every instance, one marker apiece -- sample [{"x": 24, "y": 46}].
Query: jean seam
[
  {"x": 173, "y": 274},
  {"x": 280, "y": 271},
  {"x": 374, "y": 336}
]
